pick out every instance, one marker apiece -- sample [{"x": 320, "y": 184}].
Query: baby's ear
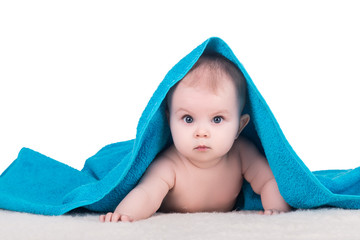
[{"x": 244, "y": 120}]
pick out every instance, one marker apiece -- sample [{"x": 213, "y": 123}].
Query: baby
[{"x": 203, "y": 170}]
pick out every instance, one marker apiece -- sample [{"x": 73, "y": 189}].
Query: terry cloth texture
[{"x": 35, "y": 183}]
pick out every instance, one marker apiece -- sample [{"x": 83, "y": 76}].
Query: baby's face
[{"x": 204, "y": 124}]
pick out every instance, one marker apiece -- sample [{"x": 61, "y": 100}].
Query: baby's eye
[
  {"x": 217, "y": 119},
  {"x": 188, "y": 119}
]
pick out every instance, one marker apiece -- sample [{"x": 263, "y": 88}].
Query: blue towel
[{"x": 37, "y": 184}]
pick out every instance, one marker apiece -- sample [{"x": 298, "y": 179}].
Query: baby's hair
[{"x": 219, "y": 65}]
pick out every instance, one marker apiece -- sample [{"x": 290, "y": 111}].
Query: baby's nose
[{"x": 201, "y": 133}]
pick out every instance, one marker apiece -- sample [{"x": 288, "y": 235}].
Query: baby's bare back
[{"x": 203, "y": 189}]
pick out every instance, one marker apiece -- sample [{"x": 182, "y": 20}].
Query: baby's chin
[{"x": 202, "y": 160}]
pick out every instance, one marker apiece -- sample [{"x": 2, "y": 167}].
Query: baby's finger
[
  {"x": 125, "y": 218},
  {"x": 108, "y": 217},
  {"x": 269, "y": 212},
  {"x": 276, "y": 212},
  {"x": 102, "y": 218},
  {"x": 115, "y": 217},
  {"x": 272, "y": 212}
]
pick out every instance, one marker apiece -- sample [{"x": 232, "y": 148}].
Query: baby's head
[
  {"x": 204, "y": 109},
  {"x": 217, "y": 67}
]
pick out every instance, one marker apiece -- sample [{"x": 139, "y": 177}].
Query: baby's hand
[
  {"x": 271, "y": 212},
  {"x": 115, "y": 217}
]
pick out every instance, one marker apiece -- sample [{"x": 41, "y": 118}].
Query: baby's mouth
[{"x": 202, "y": 148}]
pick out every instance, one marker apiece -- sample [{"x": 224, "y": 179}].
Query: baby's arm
[
  {"x": 257, "y": 172},
  {"x": 145, "y": 199}
]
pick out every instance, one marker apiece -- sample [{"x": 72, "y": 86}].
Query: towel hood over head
[{"x": 38, "y": 184}]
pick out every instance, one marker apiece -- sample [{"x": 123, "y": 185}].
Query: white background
[{"x": 76, "y": 75}]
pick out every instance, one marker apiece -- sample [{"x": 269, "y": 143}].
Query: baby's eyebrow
[
  {"x": 181, "y": 110},
  {"x": 221, "y": 112}
]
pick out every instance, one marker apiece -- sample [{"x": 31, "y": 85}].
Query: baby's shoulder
[
  {"x": 162, "y": 167},
  {"x": 166, "y": 159}
]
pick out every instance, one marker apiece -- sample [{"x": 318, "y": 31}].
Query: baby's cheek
[
  {"x": 225, "y": 140},
  {"x": 180, "y": 138},
  {"x": 175, "y": 131},
  {"x": 226, "y": 145}
]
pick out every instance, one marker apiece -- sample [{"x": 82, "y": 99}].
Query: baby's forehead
[
  {"x": 218, "y": 70},
  {"x": 210, "y": 78}
]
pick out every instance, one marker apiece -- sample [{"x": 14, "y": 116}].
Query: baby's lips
[{"x": 202, "y": 147}]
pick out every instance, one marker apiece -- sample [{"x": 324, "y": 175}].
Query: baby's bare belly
[
  {"x": 194, "y": 205},
  {"x": 210, "y": 198},
  {"x": 204, "y": 190}
]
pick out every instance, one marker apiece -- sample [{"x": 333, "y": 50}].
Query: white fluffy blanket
[{"x": 301, "y": 224}]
